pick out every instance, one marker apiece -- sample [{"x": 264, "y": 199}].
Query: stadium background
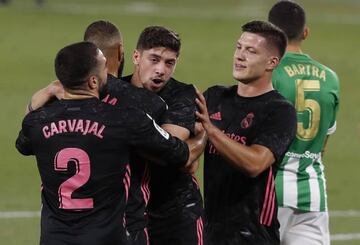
[{"x": 30, "y": 37}]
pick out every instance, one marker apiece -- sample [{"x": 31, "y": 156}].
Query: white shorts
[{"x": 300, "y": 228}]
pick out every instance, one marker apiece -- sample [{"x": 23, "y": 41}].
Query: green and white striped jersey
[{"x": 314, "y": 91}]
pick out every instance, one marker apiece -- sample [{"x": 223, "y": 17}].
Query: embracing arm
[
  {"x": 44, "y": 95},
  {"x": 196, "y": 144}
]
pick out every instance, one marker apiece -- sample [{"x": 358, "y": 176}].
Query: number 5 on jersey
[{"x": 310, "y": 106}]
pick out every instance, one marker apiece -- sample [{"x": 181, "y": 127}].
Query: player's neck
[
  {"x": 294, "y": 48},
  {"x": 135, "y": 79},
  {"x": 113, "y": 67},
  {"x": 79, "y": 94},
  {"x": 255, "y": 88}
]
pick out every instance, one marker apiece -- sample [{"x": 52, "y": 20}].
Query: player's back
[
  {"x": 82, "y": 162},
  {"x": 82, "y": 153},
  {"x": 314, "y": 91}
]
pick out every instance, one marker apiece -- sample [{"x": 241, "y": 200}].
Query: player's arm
[
  {"x": 45, "y": 95},
  {"x": 154, "y": 142},
  {"x": 196, "y": 145},
  {"x": 179, "y": 121},
  {"x": 252, "y": 160},
  {"x": 177, "y": 131},
  {"x": 329, "y": 132},
  {"x": 324, "y": 148},
  {"x": 23, "y": 143}
]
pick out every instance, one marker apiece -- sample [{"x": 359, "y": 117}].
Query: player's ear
[
  {"x": 306, "y": 33},
  {"x": 93, "y": 82},
  {"x": 136, "y": 57},
  {"x": 273, "y": 62}
]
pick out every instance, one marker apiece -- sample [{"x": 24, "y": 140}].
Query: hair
[
  {"x": 103, "y": 34},
  {"x": 274, "y": 36},
  {"x": 159, "y": 36},
  {"x": 74, "y": 63},
  {"x": 290, "y": 17}
]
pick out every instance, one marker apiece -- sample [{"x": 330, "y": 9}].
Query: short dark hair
[
  {"x": 290, "y": 17},
  {"x": 159, "y": 36},
  {"x": 103, "y": 34},
  {"x": 274, "y": 36},
  {"x": 74, "y": 63}
]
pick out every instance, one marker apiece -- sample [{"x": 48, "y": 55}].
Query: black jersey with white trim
[
  {"x": 173, "y": 189},
  {"x": 121, "y": 91}
]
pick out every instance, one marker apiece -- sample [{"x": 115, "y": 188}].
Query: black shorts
[{"x": 184, "y": 227}]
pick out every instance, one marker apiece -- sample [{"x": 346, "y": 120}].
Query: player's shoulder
[
  {"x": 308, "y": 60},
  {"x": 278, "y": 102},
  {"x": 330, "y": 72},
  {"x": 220, "y": 91},
  {"x": 115, "y": 85},
  {"x": 121, "y": 115},
  {"x": 47, "y": 111},
  {"x": 176, "y": 92},
  {"x": 176, "y": 87}
]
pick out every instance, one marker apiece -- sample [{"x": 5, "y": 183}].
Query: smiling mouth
[{"x": 239, "y": 67}]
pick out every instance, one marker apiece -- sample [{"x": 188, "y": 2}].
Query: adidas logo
[{"x": 216, "y": 116}]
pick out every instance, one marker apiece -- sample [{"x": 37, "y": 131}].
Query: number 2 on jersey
[
  {"x": 310, "y": 106},
  {"x": 82, "y": 175}
]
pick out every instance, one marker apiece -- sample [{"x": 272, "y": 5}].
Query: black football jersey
[
  {"x": 121, "y": 91},
  {"x": 82, "y": 152},
  {"x": 237, "y": 205},
  {"x": 172, "y": 189}
]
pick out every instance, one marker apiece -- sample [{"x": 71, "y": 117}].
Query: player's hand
[
  {"x": 56, "y": 89},
  {"x": 202, "y": 114}
]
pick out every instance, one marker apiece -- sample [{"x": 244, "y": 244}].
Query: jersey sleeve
[
  {"x": 145, "y": 134},
  {"x": 278, "y": 130},
  {"x": 23, "y": 143},
  {"x": 336, "y": 102},
  {"x": 181, "y": 110}
]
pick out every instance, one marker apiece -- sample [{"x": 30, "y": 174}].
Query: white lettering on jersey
[{"x": 159, "y": 129}]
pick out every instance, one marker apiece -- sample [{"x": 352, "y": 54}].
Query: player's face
[
  {"x": 251, "y": 58},
  {"x": 154, "y": 67},
  {"x": 101, "y": 70}
]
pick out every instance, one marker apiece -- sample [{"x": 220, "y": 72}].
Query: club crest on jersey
[
  {"x": 247, "y": 121},
  {"x": 216, "y": 116}
]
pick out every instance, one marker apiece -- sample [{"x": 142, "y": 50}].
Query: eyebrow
[
  {"x": 159, "y": 56},
  {"x": 155, "y": 55}
]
